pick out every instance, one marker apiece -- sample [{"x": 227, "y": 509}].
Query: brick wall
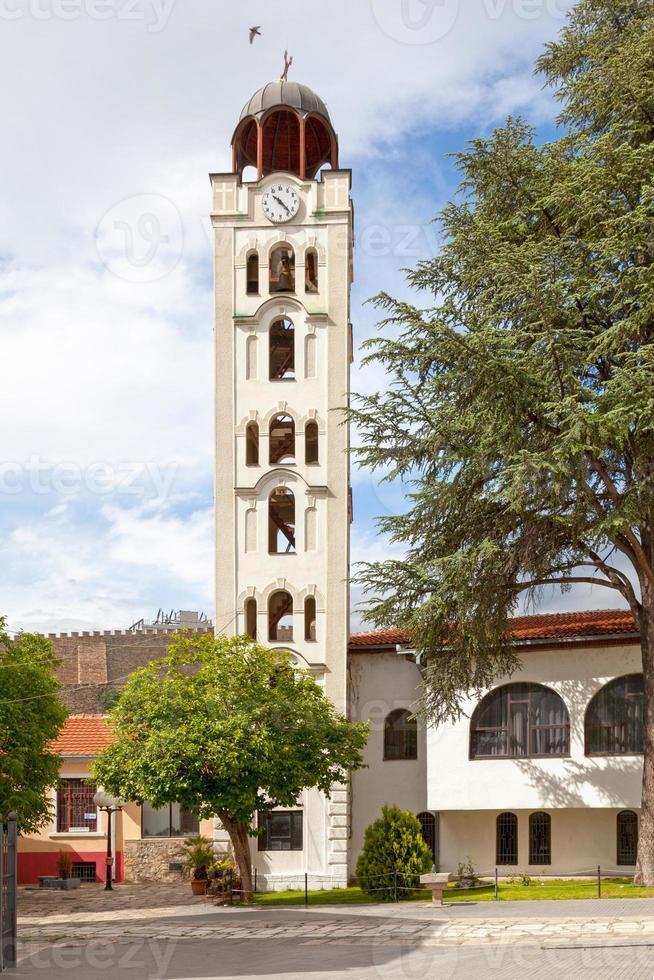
[{"x": 93, "y": 665}]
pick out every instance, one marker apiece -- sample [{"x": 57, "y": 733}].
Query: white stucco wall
[
  {"x": 380, "y": 683},
  {"x": 576, "y": 672},
  {"x": 582, "y": 839}
]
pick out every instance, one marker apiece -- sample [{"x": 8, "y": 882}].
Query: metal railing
[
  {"x": 8, "y": 871},
  {"x": 226, "y": 887}
]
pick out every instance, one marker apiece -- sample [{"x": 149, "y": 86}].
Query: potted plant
[
  {"x": 65, "y": 870},
  {"x": 198, "y": 855}
]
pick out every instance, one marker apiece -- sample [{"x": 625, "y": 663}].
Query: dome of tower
[
  {"x": 290, "y": 94},
  {"x": 284, "y": 127}
]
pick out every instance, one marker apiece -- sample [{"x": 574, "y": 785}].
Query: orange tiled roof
[
  {"x": 83, "y": 735},
  {"x": 547, "y": 626}
]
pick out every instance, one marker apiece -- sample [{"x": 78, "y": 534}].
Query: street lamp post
[{"x": 109, "y": 805}]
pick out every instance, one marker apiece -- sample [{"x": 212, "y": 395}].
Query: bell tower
[{"x": 283, "y": 271}]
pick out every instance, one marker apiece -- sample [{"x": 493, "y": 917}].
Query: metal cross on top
[{"x": 287, "y": 64}]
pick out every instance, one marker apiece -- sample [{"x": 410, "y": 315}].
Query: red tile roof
[
  {"x": 83, "y": 735},
  {"x": 547, "y": 626}
]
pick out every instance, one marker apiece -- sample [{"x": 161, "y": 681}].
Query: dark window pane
[
  {"x": 282, "y": 830},
  {"x": 507, "y": 839},
  {"x": 614, "y": 720},
  {"x": 540, "y": 838},
  {"x": 627, "y": 837},
  {"x": 400, "y": 736},
  {"x": 519, "y": 728},
  {"x": 519, "y": 720},
  {"x": 428, "y": 828}
]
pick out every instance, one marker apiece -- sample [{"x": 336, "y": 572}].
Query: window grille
[
  {"x": 428, "y": 828},
  {"x": 507, "y": 839},
  {"x": 627, "y": 837},
  {"x": 540, "y": 838},
  {"x": 75, "y": 807},
  {"x": 84, "y": 870}
]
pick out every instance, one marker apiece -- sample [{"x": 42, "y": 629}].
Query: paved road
[
  {"x": 202, "y": 959},
  {"x": 161, "y": 936}
]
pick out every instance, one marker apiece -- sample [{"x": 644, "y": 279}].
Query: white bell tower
[{"x": 283, "y": 270}]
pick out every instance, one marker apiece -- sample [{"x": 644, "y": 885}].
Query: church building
[{"x": 542, "y": 774}]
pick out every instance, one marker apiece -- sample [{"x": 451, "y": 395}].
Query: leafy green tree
[
  {"x": 31, "y": 716},
  {"x": 520, "y": 398},
  {"x": 226, "y": 728},
  {"x": 394, "y": 855}
]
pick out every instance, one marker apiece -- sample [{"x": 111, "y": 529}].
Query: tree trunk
[
  {"x": 645, "y": 863},
  {"x": 238, "y": 835}
]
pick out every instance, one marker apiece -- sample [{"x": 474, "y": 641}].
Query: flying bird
[{"x": 254, "y": 31}]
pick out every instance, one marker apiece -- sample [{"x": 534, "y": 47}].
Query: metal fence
[{"x": 8, "y": 848}]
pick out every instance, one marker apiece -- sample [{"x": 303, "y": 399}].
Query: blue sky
[{"x": 115, "y": 114}]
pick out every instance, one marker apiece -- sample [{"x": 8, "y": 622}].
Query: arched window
[
  {"x": 280, "y": 618},
  {"x": 311, "y": 271},
  {"x": 506, "y": 839},
  {"x": 428, "y": 828},
  {"x": 281, "y": 443},
  {"x": 281, "y": 522},
  {"x": 614, "y": 718},
  {"x": 252, "y": 277},
  {"x": 518, "y": 721},
  {"x": 251, "y": 618},
  {"x": 400, "y": 735},
  {"x": 282, "y": 270},
  {"x": 282, "y": 350},
  {"x": 540, "y": 838},
  {"x": 310, "y": 618},
  {"x": 311, "y": 442},
  {"x": 252, "y": 444},
  {"x": 627, "y": 837}
]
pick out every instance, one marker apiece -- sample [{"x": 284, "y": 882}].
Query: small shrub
[
  {"x": 519, "y": 878},
  {"x": 466, "y": 874},
  {"x": 394, "y": 853},
  {"x": 64, "y": 864}
]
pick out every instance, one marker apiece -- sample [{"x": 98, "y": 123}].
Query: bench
[{"x": 436, "y": 882}]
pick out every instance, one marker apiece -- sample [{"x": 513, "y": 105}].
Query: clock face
[{"x": 281, "y": 202}]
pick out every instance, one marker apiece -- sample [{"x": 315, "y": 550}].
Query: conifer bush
[{"x": 394, "y": 855}]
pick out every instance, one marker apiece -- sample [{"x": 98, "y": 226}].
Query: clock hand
[{"x": 279, "y": 201}]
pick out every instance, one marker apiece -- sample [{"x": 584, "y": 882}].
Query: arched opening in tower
[
  {"x": 281, "y": 522},
  {"x": 281, "y": 142}
]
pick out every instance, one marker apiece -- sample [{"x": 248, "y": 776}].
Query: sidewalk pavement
[{"x": 171, "y": 913}]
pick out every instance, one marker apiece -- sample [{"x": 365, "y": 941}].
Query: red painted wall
[{"x": 31, "y": 864}]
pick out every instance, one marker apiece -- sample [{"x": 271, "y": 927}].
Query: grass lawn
[{"x": 553, "y": 890}]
